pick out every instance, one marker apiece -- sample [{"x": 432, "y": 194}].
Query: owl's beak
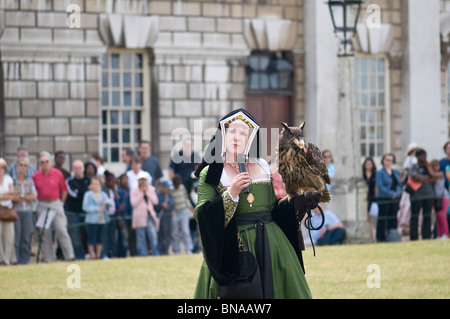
[{"x": 300, "y": 144}]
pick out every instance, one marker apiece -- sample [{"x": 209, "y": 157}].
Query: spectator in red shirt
[{"x": 52, "y": 193}]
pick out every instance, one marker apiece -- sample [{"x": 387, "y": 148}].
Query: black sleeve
[
  {"x": 284, "y": 215},
  {"x": 220, "y": 244}
]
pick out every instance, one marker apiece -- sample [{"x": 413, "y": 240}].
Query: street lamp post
[
  {"x": 344, "y": 15},
  {"x": 348, "y": 187}
]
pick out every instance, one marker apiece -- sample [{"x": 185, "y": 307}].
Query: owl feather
[{"x": 301, "y": 164}]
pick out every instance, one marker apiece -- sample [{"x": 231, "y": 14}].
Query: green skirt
[{"x": 288, "y": 278}]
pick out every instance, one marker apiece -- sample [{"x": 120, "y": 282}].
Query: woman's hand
[{"x": 240, "y": 181}]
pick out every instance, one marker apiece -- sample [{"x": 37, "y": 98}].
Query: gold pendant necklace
[{"x": 250, "y": 199}]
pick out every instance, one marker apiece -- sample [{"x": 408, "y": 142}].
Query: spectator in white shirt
[{"x": 136, "y": 168}]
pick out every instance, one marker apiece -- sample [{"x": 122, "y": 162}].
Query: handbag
[
  {"x": 412, "y": 185},
  {"x": 8, "y": 214},
  {"x": 374, "y": 209},
  {"x": 438, "y": 204},
  {"x": 248, "y": 284}
]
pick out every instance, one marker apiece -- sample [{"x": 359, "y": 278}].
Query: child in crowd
[
  {"x": 144, "y": 220},
  {"x": 165, "y": 210},
  {"x": 180, "y": 220},
  {"x": 109, "y": 237},
  {"x": 96, "y": 204},
  {"x": 123, "y": 213}
]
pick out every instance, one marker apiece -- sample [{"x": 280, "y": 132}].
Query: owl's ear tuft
[
  {"x": 301, "y": 126},
  {"x": 286, "y": 127}
]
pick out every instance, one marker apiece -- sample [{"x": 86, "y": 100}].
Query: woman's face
[
  {"x": 327, "y": 158},
  {"x": 236, "y": 138},
  {"x": 368, "y": 165},
  {"x": 90, "y": 170},
  {"x": 22, "y": 167},
  {"x": 447, "y": 149},
  {"x": 388, "y": 161}
]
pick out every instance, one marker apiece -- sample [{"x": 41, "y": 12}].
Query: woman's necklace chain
[
  {"x": 250, "y": 197},
  {"x": 233, "y": 165}
]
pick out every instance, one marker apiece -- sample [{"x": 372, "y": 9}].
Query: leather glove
[{"x": 305, "y": 202}]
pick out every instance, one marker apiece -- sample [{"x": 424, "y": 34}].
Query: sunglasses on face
[
  {"x": 44, "y": 162},
  {"x": 23, "y": 165}
]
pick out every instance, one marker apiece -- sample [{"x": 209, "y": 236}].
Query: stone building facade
[
  {"x": 55, "y": 78},
  {"x": 88, "y": 76},
  {"x": 196, "y": 58}
]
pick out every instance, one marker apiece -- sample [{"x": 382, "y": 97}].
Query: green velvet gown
[{"x": 288, "y": 278}]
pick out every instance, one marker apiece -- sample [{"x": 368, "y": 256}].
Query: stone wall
[
  {"x": 194, "y": 93},
  {"x": 51, "y": 79},
  {"x": 445, "y": 59},
  {"x": 200, "y": 62},
  {"x": 52, "y": 72}
]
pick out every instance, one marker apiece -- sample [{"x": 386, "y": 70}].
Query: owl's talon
[{"x": 287, "y": 198}]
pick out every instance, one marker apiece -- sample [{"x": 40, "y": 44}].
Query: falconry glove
[{"x": 305, "y": 203}]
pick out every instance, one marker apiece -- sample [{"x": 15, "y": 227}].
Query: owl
[{"x": 301, "y": 164}]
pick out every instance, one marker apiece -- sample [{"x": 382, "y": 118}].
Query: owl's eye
[{"x": 290, "y": 134}]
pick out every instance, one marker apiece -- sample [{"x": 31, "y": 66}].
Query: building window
[
  {"x": 371, "y": 87},
  {"x": 124, "y": 101},
  {"x": 269, "y": 72}
]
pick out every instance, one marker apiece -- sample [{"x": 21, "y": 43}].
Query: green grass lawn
[{"x": 406, "y": 270}]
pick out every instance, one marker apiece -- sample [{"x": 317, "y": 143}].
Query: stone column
[
  {"x": 331, "y": 117},
  {"x": 424, "y": 118},
  {"x": 320, "y": 75},
  {"x": 348, "y": 187}
]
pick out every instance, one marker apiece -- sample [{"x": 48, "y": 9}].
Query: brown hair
[
  {"x": 136, "y": 159},
  {"x": 388, "y": 154},
  {"x": 374, "y": 166},
  {"x": 95, "y": 178},
  {"x": 177, "y": 180}
]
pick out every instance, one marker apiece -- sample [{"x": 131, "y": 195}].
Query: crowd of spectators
[
  {"x": 90, "y": 213},
  {"x": 410, "y": 200}
]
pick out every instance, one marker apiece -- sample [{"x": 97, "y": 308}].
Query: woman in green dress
[{"x": 239, "y": 210}]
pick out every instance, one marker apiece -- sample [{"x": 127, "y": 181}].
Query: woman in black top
[
  {"x": 369, "y": 171},
  {"x": 423, "y": 197}
]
